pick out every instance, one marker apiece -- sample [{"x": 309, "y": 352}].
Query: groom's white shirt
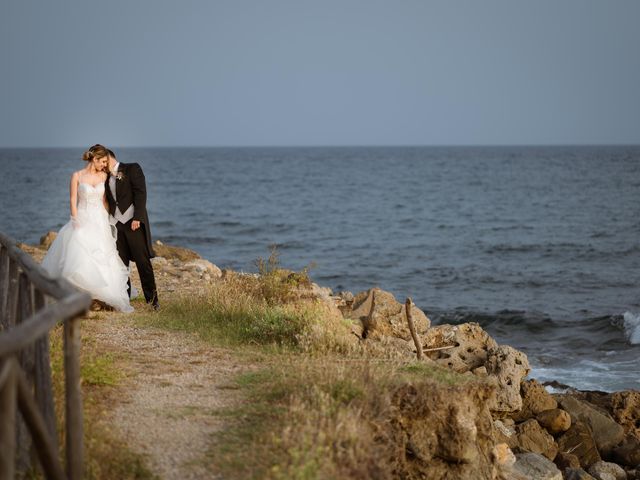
[{"x": 118, "y": 216}]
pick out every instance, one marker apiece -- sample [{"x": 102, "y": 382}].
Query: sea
[{"x": 539, "y": 245}]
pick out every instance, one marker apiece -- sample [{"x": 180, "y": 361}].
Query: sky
[{"x": 326, "y": 72}]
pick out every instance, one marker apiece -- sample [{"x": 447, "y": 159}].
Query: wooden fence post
[
  {"x": 74, "y": 398},
  {"x": 412, "y": 328},
  {"x": 12, "y": 295},
  {"x": 24, "y": 310},
  {"x": 8, "y": 398},
  {"x": 42, "y": 376},
  {"x": 4, "y": 286}
]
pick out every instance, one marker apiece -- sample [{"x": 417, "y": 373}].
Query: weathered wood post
[
  {"x": 8, "y": 412},
  {"x": 75, "y": 451},
  {"x": 412, "y": 328},
  {"x": 42, "y": 376},
  {"x": 4, "y": 286},
  {"x": 23, "y": 312}
]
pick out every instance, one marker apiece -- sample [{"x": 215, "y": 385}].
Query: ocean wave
[{"x": 631, "y": 324}]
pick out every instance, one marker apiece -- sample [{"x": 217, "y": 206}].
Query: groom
[{"x": 126, "y": 193}]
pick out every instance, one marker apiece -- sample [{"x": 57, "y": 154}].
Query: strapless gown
[{"x": 85, "y": 254}]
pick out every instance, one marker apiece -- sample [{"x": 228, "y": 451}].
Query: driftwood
[
  {"x": 407, "y": 308},
  {"x": 31, "y": 304},
  {"x": 435, "y": 349}
]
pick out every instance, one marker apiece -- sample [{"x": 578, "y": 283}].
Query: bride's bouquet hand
[{"x": 74, "y": 222}]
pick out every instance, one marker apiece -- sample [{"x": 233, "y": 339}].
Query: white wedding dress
[{"x": 85, "y": 254}]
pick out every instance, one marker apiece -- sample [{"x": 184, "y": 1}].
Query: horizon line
[{"x": 390, "y": 145}]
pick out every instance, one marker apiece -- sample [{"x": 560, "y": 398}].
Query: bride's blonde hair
[{"x": 96, "y": 151}]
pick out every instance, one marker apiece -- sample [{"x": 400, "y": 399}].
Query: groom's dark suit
[{"x": 131, "y": 189}]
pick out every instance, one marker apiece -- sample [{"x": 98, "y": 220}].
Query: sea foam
[{"x": 632, "y": 327}]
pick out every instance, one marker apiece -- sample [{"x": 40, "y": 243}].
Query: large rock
[
  {"x": 382, "y": 315},
  {"x": 47, "y": 239},
  {"x": 607, "y": 471},
  {"x": 202, "y": 267},
  {"x": 555, "y": 420},
  {"x": 580, "y": 442},
  {"x": 505, "y": 433},
  {"x": 606, "y": 432},
  {"x": 441, "y": 432},
  {"x": 533, "y": 438},
  {"x": 469, "y": 345},
  {"x": 625, "y": 407},
  {"x": 533, "y": 466},
  {"x": 576, "y": 474},
  {"x": 628, "y": 452},
  {"x": 535, "y": 399},
  {"x": 174, "y": 253},
  {"x": 508, "y": 366},
  {"x": 565, "y": 460}
]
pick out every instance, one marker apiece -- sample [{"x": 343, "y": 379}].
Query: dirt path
[{"x": 174, "y": 385}]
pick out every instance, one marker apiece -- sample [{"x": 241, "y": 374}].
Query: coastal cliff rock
[
  {"x": 580, "y": 442},
  {"x": 509, "y": 367},
  {"x": 531, "y": 437},
  {"x": 465, "y": 346},
  {"x": 382, "y": 315},
  {"x": 607, "y": 471},
  {"x": 47, "y": 239},
  {"x": 444, "y": 433},
  {"x": 606, "y": 432},
  {"x": 555, "y": 420},
  {"x": 625, "y": 407},
  {"x": 535, "y": 399},
  {"x": 532, "y": 466}
]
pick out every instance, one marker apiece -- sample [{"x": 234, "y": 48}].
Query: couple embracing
[{"x": 109, "y": 227}]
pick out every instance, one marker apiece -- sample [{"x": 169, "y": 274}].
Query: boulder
[
  {"x": 555, "y": 420},
  {"x": 606, "y": 432},
  {"x": 382, "y": 315},
  {"x": 536, "y": 467},
  {"x": 628, "y": 452},
  {"x": 533, "y": 438},
  {"x": 201, "y": 266},
  {"x": 579, "y": 441},
  {"x": 576, "y": 474},
  {"x": 441, "y": 432},
  {"x": 47, "y": 239},
  {"x": 509, "y": 366},
  {"x": 505, "y": 434},
  {"x": 565, "y": 460},
  {"x": 535, "y": 399},
  {"x": 469, "y": 346},
  {"x": 625, "y": 407},
  {"x": 174, "y": 253},
  {"x": 503, "y": 457},
  {"x": 607, "y": 471}
]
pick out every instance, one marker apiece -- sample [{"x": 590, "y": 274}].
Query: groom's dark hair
[{"x": 111, "y": 154}]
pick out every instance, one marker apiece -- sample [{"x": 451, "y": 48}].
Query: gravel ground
[{"x": 174, "y": 386}]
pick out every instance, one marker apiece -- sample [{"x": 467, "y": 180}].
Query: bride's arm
[{"x": 73, "y": 195}]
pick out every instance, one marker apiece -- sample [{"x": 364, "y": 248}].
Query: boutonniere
[{"x": 119, "y": 175}]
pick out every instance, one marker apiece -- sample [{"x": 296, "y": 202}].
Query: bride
[{"x": 84, "y": 252}]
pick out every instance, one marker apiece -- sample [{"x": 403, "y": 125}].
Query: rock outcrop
[{"x": 382, "y": 315}]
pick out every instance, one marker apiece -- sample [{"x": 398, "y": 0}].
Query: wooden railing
[{"x": 31, "y": 304}]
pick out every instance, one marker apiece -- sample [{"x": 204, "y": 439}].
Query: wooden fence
[{"x": 31, "y": 304}]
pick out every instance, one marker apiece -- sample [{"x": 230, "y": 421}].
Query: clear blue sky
[{"x": 327, "y": 72}]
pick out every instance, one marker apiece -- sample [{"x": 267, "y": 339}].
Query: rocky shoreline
[{"x": 500, "y": 424}]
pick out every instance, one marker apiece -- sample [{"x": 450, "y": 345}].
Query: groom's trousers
[{"x": 132, "y": 246}]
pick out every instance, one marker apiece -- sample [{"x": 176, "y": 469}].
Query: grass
[
  {"x": 312, "y": 418},
  {"x": 269, "y": 310}
]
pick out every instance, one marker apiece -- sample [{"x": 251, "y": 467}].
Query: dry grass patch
[
  {"x": 315, "y": 418},
  {"x": 268, "y": 310}
]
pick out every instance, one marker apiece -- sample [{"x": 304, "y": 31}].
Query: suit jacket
[{"x": 131, "y": 189}]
